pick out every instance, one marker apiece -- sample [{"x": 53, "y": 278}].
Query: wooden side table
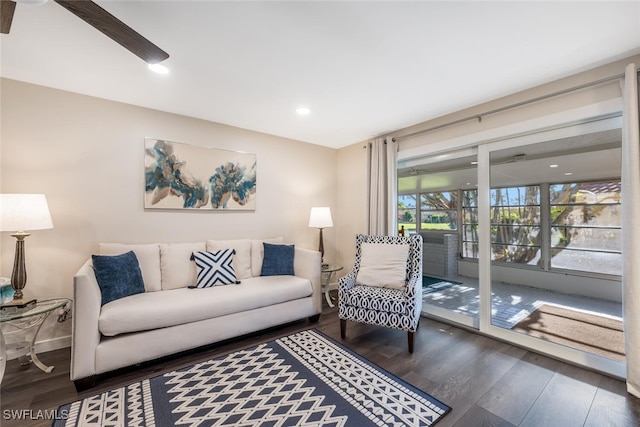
[
  {"x": 328, "y": 272},
  {"x": 23, "y": 324}
]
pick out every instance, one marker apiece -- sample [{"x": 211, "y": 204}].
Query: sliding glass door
[
  {"x": 522, "y": 233},
  {"x": 437, "y": 199},
  {"x": 554, "y": 245}
]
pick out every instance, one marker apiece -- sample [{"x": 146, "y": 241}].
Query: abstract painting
[{"x": 184, "y": 176}]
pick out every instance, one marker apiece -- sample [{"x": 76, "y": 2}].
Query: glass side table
[
  {"x": 19, "y": 329},
  {"x": 328, "y": 272}
]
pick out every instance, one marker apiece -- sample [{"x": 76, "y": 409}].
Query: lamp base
[{"x": 18, "y": 303}]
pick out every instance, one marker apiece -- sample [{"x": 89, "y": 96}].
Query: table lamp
[
  {"x": 20, "y": 212},
  {"x": 320, "y": 218}
]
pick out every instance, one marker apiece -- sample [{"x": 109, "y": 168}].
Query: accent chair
[{"x": 385, "y": 286}]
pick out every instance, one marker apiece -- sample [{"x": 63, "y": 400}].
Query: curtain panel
[
  {"x": 631, "y": 227},
  {"x": 382, "y": 186}
]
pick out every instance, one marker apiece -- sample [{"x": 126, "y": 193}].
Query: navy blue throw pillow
[
  {"x": 118, "y": 276},
  {"x": 278, "y": 260}
]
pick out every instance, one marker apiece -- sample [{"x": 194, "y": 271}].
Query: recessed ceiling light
[
  {"x": 568, "y": 173},
  {"x": 474, "y": 163},
  {"x": 553, "y": 166},
  {"x": 302, "y": 111},
  {"x": 158, "y": 68}
]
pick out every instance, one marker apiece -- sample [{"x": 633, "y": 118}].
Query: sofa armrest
[
  {"x": 87, "y": 300},
  {"x": 307, "y": 265}
]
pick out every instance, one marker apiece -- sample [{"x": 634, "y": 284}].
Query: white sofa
[{"x": 169, "y": 317}]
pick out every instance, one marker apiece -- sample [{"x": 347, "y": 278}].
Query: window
[
  {"x": 586, "y": 226},
  {"x": 470, "y": 224},
  {"x": 407, "y": 213},
  {"x": 515, "y": 224},
  {"x": 439, "y": 211},
  {"x": 582, "y": 223}
]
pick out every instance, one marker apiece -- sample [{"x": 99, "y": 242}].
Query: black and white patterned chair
[{"x": 393, "y": 308}]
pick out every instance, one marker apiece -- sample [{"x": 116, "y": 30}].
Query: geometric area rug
[{"x": 304, "y": 379}]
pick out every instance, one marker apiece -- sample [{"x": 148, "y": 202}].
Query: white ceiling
[{"x": 363, "y": 68}]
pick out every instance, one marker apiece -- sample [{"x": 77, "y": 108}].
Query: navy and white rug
[{"x": 305, "y": 379}]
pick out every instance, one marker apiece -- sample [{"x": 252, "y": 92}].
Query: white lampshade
[
  {"x": 24, "y": 212},
  {"x": 320, "y": 217}
]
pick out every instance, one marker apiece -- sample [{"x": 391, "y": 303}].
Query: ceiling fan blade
[
  {"x": 7, "y": 7},
  {"x": 115, "y": 29}
]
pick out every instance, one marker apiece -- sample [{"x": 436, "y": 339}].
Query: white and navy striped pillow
[{"x": 214, "y": 268}]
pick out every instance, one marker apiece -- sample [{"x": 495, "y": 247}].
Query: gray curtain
[
  {"x": 631, "y": 227},
  {"x": 382, "y": 188}
]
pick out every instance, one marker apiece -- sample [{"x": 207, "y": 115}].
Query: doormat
[
  {"x": 433, "y": 284},
  {"x": 302, "y": 379},
  {"x": 584, "y": 331}
]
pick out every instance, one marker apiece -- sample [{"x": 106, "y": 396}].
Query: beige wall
[{"x": 87, "y": 155}]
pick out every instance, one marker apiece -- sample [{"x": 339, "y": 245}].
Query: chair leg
[
  {"x": 343, "y": 328},
  {"x": 411, "y": 338}
]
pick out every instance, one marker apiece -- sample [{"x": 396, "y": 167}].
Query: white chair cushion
[
  {"x": 176, "y": 266},
  {"x": 242, "y": 257},
  {"x": 257, "y": 253},
  {"x": 383, "y": 265},
  {"x": 179, "y": 306},
  {"x": 148, "y": 257}
]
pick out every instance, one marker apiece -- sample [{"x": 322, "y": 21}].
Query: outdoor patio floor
[{"x": 512, "y": 303}]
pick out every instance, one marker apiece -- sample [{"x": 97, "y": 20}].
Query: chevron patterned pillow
[{"x": 214, "y": 268}]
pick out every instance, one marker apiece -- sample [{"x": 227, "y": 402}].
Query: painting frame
[{"x": 198, "y": 178}]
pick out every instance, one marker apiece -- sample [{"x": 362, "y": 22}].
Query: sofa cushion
[
  {"x": 257, "y": 253},
  {"x": 215, "y": 268},
  {"x": 242, "y": 257},
  {"x": 278, "y": 260},
  {"x": 148, "y": 258},
  {"x": 154, "y": 310},
  {"x": 118, "y": 276},
  {"x": 176, "y": 266}
]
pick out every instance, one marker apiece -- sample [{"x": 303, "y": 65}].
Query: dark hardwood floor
[{"x": 486, "y": 382}]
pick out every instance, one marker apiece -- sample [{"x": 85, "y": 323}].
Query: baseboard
[{"x": 48, "y": 345}]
